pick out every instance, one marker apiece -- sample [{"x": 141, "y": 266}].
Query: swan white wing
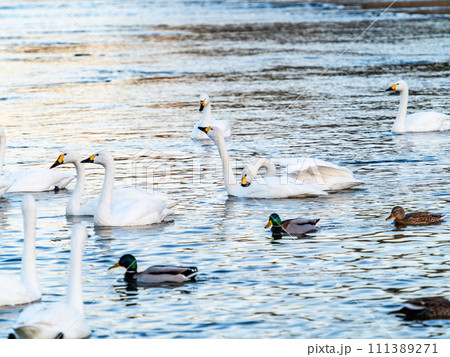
[
  {"x": 89, "y": 208},
  {"x": 130, "y": 212},
  {"x": 4, "y": 187},
  {"x": 197, "y": 134},
  {"x": 37, "y": 180},
  {"x": 427, "y": 121},
  {"x": 49, "y": 320},
  {"x": 13, "y": 292},
  {"x": 276, "y": 187}
]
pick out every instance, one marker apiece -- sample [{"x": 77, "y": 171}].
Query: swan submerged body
[
  {"x": 417, "y": 122},
  {"x": 157, "y": 274},
  {"x": 30, "y": 180},
  {"x": 25, "y": 290},
  {"x": 273, "y": 186},
  {"x": 63, "y": 319},
  {"x": 206, "y": 120},
  {"x": 74, "y": 207},
  {"x": 135, "y": 207}
]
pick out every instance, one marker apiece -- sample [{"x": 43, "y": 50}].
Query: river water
[{"x": 293, "y": 78}]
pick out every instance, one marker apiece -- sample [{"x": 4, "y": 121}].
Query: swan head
[
  {"x": 102, "y": 157},
  {"x": 128, "y": 262},
  {"x": 67, "y": 156},
  {"x": 28, "y": 204},
  {"x": 213, "y": 132},
  {"x": 397, "y": 212},
  {"x": 204, "y": 101},
  {"x": 400, "y": 86},
  {"x": 274, "y": 220}
]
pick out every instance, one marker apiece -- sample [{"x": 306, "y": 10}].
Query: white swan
[
  {"x": 273, "y": 186},
  {"x": 31, "y": 180},
  {"x": 25, "y": 290},
  {"x": 206, "y": 120},
  {"x": 321, "y": 174},
  {"x": 417, "y": 122},
  {"x": 61, "y": 319},
  {"x": 74, "y": 207},
  {"x": 138, "y": 209}
]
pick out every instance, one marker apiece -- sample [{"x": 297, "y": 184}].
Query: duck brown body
[
  {"x": 425, "y": 309},
  {"x": 416, "y": 218}
]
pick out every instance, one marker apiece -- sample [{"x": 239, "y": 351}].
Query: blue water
[{"x": 126, "y": 76}]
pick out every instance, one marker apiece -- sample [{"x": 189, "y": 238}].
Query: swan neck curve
[
  {"x": 399, "y": 124},
  {"x": 28, "y": 271},
  {"x": 104, "y": 205},
  {"x": 75, "y": 290},
  {"x": 74, "y": 204},
  {"x": 206, "y": 115},
  {"x": 228, "y": 176}
]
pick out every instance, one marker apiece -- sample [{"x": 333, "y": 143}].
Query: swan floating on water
[
  {"x": 319, "y": 173},
  {"x": 25, "y": 290},
  {"x": 134, "y": 209},
  {"x": 74, "y": 207},
  {"x": 31, "y": 180},
  {"x": 206, "y": 120},
  {"x": 273, "y": 186},
  {"x": 417, "y": 122},
  {"x": 62, "y": 319}
]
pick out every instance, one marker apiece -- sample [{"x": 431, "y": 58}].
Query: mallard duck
[
  {"x": 294, "y": 227},
  {"x": 425, "y": 309},
  {"x": 156, "y": 274},
  {"x": 416, "y": 218}
]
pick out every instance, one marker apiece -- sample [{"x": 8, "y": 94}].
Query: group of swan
[
  {"x": 40, "y": 320},
  {"x": 121, "y": 207}
]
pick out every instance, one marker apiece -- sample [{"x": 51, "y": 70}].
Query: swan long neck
[
  {"x": 2, "y": 148},
  {"x": 28, "y": 272},
  {"x": 74, "y": 204},
  {"x": 104, "y": 205},
  {"x": 399, "y": 124},
  {"x": 206, "y": 115},
  {"x": 228, "y": 176},
  {"x": 75, "y": 290},
  {"x": 252, "y": 170}
]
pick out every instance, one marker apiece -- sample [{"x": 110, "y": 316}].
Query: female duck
[
  {"x": 25, "y": 290},
  {"x": 206, "y": 120},
  {"x": 273, "y": 187},
  {"x": 63, "y": 319},
  {"x": 425, "y": 309},
  {"x": 292, "y": 227},
  {"x": 414, "y": 219},
  {"x": 137, "y": 209},
  {"x": 417, "y": 122},
  {"x": 31, "y": 180},
  {"x": 156, "y": 274}
]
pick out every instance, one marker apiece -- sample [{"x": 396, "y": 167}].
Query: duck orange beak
[
  {"x": 268, "y": 224},
  {"x": 391, "y": 216},
  {"x": 114, "y": 266}
]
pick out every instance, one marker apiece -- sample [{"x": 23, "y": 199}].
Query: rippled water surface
[{"x": 126, "y": 76}]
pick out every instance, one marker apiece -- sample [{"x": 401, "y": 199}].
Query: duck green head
[
  {"x": 128, "y": 262},
  {"x": 274, "y": 220}
]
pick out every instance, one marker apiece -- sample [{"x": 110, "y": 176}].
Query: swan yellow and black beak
[
  {"x": 205, "y": 129},
  {"x": 391, "y": 216},
  {"x": 393, "y": 87},
  {"x": 58, "y": 161},
  {"x": 244, "y": 181},
  {"x": 269, "y": 224},
  {"x": 202, "y": 105},
  {"x": 90, "y": 159},
  {"x": 114, "y": 266}
]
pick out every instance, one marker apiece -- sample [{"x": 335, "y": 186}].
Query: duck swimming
[
  {"x": 425, "y": 309},
  {"x": 293, "y": 227},
  {"x": 416, "y": 218},
  {"x": 156, "y": 274}
]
